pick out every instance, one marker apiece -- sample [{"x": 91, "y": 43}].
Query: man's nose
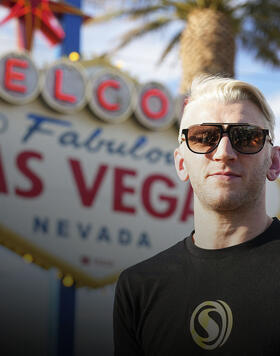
[{"x": 224, "y": 151}]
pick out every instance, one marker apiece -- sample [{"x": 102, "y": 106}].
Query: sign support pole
[
  {"x": 71, "y": 25},
  {"x": 67, "y": 295},
  {"x": 66, "y": 321}
]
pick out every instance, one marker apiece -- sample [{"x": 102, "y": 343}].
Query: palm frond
[
  {"x": 182, "y": 8},
  {"x": 132, "y": 13},
  {"x": 264, "y": 27},
  {"x": 106, "y": 17},
  {"x": 268, "y": 55},
  {"x": 263, "y": 48},
  {"x": 137, "y": 32},
  {"x": 172, "y": 43},
  {"x": 141, "y": 12},
  {"x": 213, "y": 4}
]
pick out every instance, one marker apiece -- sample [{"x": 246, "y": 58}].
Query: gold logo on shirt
[{"x": 211, "y": 324}]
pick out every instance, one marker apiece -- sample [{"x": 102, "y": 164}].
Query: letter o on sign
[
  {"x": 19, "y": 78},
  {"x": 64, "y": 87},
  {"x": 154, "y": 107},
  {"x": 111, "y": 95}
]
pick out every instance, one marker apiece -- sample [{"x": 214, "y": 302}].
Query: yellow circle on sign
[
  {"x": 74, "y": 56},
  {"x": 28, "y": 258},
  {"x": 68, "y": 280}
]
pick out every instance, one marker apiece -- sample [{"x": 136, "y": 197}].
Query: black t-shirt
[{"x": 192, "y": 301}]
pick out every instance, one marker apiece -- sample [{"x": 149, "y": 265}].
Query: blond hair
[{"x": 228, "y": 90}]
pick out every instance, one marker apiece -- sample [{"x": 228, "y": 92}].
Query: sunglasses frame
[{"x": 226, "y": 131}]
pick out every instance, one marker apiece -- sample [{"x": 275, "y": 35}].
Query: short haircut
[{"x": 228, "y": 90}]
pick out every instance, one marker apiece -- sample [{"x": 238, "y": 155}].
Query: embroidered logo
[{"x": 211, "y": 324}]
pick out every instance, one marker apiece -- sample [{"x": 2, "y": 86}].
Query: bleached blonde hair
[{"x": 227, "y": 90}]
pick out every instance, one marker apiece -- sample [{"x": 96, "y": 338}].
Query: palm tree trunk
[{"x": 207, "y": 45}]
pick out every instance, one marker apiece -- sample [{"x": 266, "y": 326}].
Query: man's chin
[{"x": 225, "y": 202}]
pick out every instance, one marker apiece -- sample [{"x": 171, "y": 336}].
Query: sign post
[
  {"x": 71, "y": 25},
  {"x": 67, "y": 294}
]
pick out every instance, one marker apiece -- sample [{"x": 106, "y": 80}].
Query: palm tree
[{"x": 210, "y": 29}]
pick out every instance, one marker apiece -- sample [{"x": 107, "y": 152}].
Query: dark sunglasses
[{"x": 244, "y": 138}]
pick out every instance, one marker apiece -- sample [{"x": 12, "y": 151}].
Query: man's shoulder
[
  {"x": 270, "y": 238},
  {"x": 158, "y": 265},
  {"x": 273, "y": 231},
  {"x": 276, "y": 222}
]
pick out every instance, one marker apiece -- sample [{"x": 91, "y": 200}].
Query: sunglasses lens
[
  {"x": 202, "y": 139},
  {"x": 247, "y": 139}
]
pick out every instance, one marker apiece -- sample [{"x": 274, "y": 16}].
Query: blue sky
[{"x": 140, "y": 57}]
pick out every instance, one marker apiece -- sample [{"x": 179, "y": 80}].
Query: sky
[{"x": 140, "y": 58}]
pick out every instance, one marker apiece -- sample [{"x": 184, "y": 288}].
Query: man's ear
[
  {"x": 274, "y": 169},
  {"x": 180, "y": 165}
]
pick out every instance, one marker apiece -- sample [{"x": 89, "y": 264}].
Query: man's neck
[{"x": 216, "y": 230}]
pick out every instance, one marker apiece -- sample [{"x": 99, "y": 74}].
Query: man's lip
[{"x": 226, "y": 173}]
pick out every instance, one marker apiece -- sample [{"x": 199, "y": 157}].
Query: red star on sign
[{"x": 39, "y": 15}]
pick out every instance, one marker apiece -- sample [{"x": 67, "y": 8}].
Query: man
[{"x": 217, "y": 291}]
